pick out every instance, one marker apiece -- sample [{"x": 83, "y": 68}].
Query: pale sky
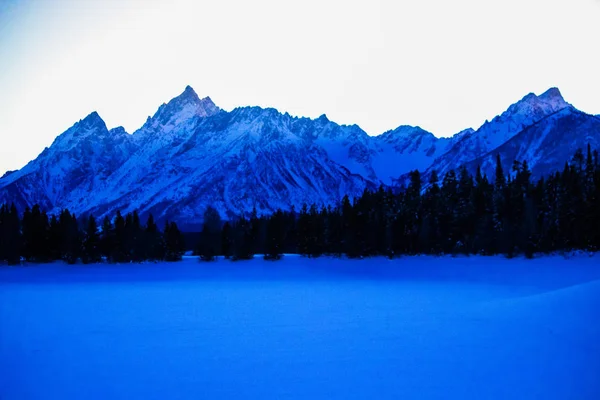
[{"x": 443, "y": 65}]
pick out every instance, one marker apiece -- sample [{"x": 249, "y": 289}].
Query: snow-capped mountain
[
  {"x": 77, "y": 164},
  {"x": 191, "y": 154},
  {"x": 545, "y": 145},
  {"x": 408, "y": 148},
  {"x": 492, "y": 134},
  {"x": 235, "y": 161}
]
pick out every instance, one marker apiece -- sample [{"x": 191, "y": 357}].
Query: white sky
[{"x": 443, "y": 65}]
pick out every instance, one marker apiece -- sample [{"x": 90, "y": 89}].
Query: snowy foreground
[{"x": 413, "y": 328}]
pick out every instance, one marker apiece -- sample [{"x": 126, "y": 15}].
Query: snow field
[{"x": 412, "y": 328}]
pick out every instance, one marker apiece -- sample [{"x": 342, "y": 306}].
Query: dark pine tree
[
  {"x": 119, "y": 253},
  {"x": 303, "y": 231},
  {"x": 72, "y": 237},
  {"x": 174, "y": 244},
  {"x": 91, "y": 252},
  {"x": 138, "y": 244},
  {"x": 275, "y": 238},
  {"x": 243, "y": 242},
  {"x": 55, "y": 238},
  {"x": 107, "y": 239},
  {"x": 3, "y": 233},
  {"x": 10, "y": 235},
  {"x": 209, "y": 245},
  {"x": 226, "y": 240},
  {"x": 13, "y": 239},
  {"x": 154, "y": 248}
]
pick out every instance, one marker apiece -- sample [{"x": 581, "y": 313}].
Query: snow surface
[{"x": 412, "y": 328}]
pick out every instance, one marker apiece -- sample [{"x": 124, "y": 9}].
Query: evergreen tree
[
  {"x": 14, "y": 238},
  {"x": 154, "y": 247},
  {"x": 316, "y": 230},
  {"x": 174, "y": 243},
  {"x": 128, "y": 238},
  {"x": 226, "y": 240},
  {"x": 138, "y": 245},
  {"x": 350, "y": 235},
  {"x": 304, "y": 231},
  {"x": 55, "y": 239},
  {"x": 119, "y": 250},
  {"x": 275, "y": 236},
  {"x": 243, "y": 242},
  {"x": 501, "y": 233},
  {"x": 72, "y": 238},
  {"x": 209, "y": 245},
  {"x": 3, "y": 233},
  {"x": 107, "y": 239},
  {"x": 429, "y": 233},
  {"x": 256, "y": 233},
  {"x": 335, "y": 233},
  {"x": 27, "y": 230},
  {"x": 91, "y": 243}
]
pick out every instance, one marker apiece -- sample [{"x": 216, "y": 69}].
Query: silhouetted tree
[
  {"x": 154, "y": 247},
  {"x": 209, "y": 245},
  {"x": 174, "y": 243},
  {"x": 91, "y": 243}
]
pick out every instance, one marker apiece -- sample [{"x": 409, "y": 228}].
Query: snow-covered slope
[
  {"x": 545, "y": 145},
  {"x": 191, "y": 154},
  {"x": 248, "y": 158},
  {"x": 490, "y": 135},
  {"x": 407, "y": 148},
  {"x": 73, "y": 168}
]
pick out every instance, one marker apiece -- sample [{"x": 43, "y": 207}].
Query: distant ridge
[{"x": 191, "y": 154}]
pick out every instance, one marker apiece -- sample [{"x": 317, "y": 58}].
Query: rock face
[{"x": 192, "y": 154}]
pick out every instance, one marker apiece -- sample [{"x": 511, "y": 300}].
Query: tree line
[
  {"x": 35, "y": 237},
  {"x": 462, "y": 213}
]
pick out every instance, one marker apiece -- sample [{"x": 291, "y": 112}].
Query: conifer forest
[{"x": 459, "y": 213}]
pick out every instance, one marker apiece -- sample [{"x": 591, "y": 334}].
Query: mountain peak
[
  {"x": 552, "y": 94},
  {"x": 93, "y": 120},
  {"x": 119, "y": 130},
  {"x": 182, "y": 108},
  {"x": 92, "y": 117},
  {"x": 409, "y": 131},
  {"x": 547, "y": 103},
  {"x": 189, "y": 93}
]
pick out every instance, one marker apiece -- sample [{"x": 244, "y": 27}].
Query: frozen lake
[{"x": 412, "y": 328}]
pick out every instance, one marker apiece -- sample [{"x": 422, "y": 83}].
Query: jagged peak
[
  {"x": 189, "y": 95},
  {"x": 464, "y": 132},
  {"x": 552, "y": 94},
  {"x": 549, "y": 102},
  {"x": 207, "y": 99},
  {"x": 257, "y": 111},
  {"x": 182, "y": 108},
  {"x": 189, "y": 91},
  {"x": 406, "y": 131},
  {"x": 92, "y": 117},
  {"x": 91, "y": 121},
  {"x": 118, "y": 130}
]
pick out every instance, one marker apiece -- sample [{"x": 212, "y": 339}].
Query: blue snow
[{"x": 411, "y": 328}]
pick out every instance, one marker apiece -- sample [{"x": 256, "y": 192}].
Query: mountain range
[{"x": 192, "y": 154}]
